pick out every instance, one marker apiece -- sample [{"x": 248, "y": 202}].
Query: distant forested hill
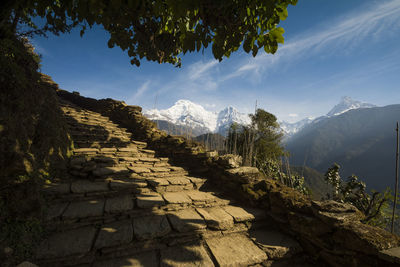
[
  {"x": 314, "y": 180},
  {"x": 362, "y": 141}
]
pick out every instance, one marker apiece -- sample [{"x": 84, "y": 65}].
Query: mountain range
[
  {"x": 188, "y": 118},
  {"x": 186, "y": 115},
  {"x": 345, "y": 104},
  {"x": 358, "y": 136}
]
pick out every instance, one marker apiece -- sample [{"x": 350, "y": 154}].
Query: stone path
[{"x": 126, "y": 207}]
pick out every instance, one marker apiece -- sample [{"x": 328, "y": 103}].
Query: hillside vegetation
[{"x": 34, "y": 145}]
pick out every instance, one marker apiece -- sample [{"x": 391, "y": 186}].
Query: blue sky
[{"x": 332, "y": 49}]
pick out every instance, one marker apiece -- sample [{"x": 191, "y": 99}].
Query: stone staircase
[{"x": 124, "y": 206}]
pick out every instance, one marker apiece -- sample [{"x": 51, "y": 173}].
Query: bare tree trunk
[{"x": 397, "y": 175}]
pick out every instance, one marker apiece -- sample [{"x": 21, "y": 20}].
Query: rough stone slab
[
  {"x": 62, "y": 244},
  {"x": 161, "y": 164},
  {"x": 55, "y": 210},
  {"x": 139, "y": 143},
  {"x": 104, "y": 159},
  {"x": 129, "y": 159},
  {"x": 198, "y": 196},
  {"x": 139, "y": 169},
  {"x": 186, "y": 220},
  {"x": 115, "y": 234},
  {"x": 26, "y": 264},
  {"x": 177, "y": 198},
  {"x": 146, "y": 259},
  {"x": 150, "y": 227},
  {"x": 159, "y": 169},
  {"x": 147, "y": 151},
  {"x": 157, "y": 182},
  {"x": 196, "y": 180},
  {"x": 150, "y": 200},
  {"x": 85, "y": 186},
  {"x": 276, "y": 244},
  {"x": 86, "y": 150},
  {"x": 110, "y": 170},
  {"x": 239, "y": 214},
  {"x": 176, "y": 169},
  {"x": 186, "y": 256},
  {"x": 121, "y": 184},
  {"x": 58, "y": 189},
  {"x": 142, "y": 159},
  {"x": 178, "y": 188},
  {"x": 178, "y": 180},
  {"x": 119, "y": 204},
  {"x": 391, "y": 255},
  {"x": 127, "y": 149},
  {"x": 235, "y": 250},
  {"x": 108, "y": 149},
  {"x": 237, "y": 228},
  {"x": 216, "y": 218},
  {"x": 83, "y": 209}
]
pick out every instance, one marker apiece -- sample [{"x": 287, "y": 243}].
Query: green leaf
[
  {"x": 110, "y": 43},
  {"x": 247, "y": 44}
]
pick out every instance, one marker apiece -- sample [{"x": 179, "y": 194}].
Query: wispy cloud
[
  {"x": 199, "y": 69},
  {"x": 197, "y": 78},
  {"x": 345, "y": 33},
  {"x": 139, "y": 92}
]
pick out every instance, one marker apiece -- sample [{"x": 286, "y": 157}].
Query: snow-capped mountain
[
  {"x": 345, "y": 104},
  {"x": 192, "y": 115},
  {"x": 228, "y": 116},
  {"x": 292, "y": 128}
]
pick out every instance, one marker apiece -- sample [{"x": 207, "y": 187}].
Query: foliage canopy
[
  {"x": 375, "y": 207},
  {"x": 159, "y": 30}
]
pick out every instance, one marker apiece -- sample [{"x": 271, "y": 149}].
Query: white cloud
[
  {"x": 344, "y": 34},
  {"x": 293, "y": 115},
  {"x": 197, "y": 78},
  {"x": 200, "y": 69},
  {"x": 139, "y": 92}
]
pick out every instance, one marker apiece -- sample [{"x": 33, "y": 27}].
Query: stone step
[
  {"x": 133, "y": 162},
  {"x": 85, "y": 189},
  {"x": 170, "y": 231},
  {"x": 83, "y": 121},
  {"x": 89, "y": 200},
  {"x": 89, "y": 138},
  {"x": 138, "y": 210},
  {"x": 111, "y": 143},
  {"x": 150, "y": 225},
  {"x": 99, "y": 144},
  {"x": 85, "y": 124},
  {"x": 91, "y": 130},
  {"x": 75, "y": 126},
  {"x": 85, "y": 116}
]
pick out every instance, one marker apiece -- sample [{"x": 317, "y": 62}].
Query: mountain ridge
[
  {"x": 188, "y": 114},
  {"x": 362, "y": 141},
  {"x": 346, "y": 104}
]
